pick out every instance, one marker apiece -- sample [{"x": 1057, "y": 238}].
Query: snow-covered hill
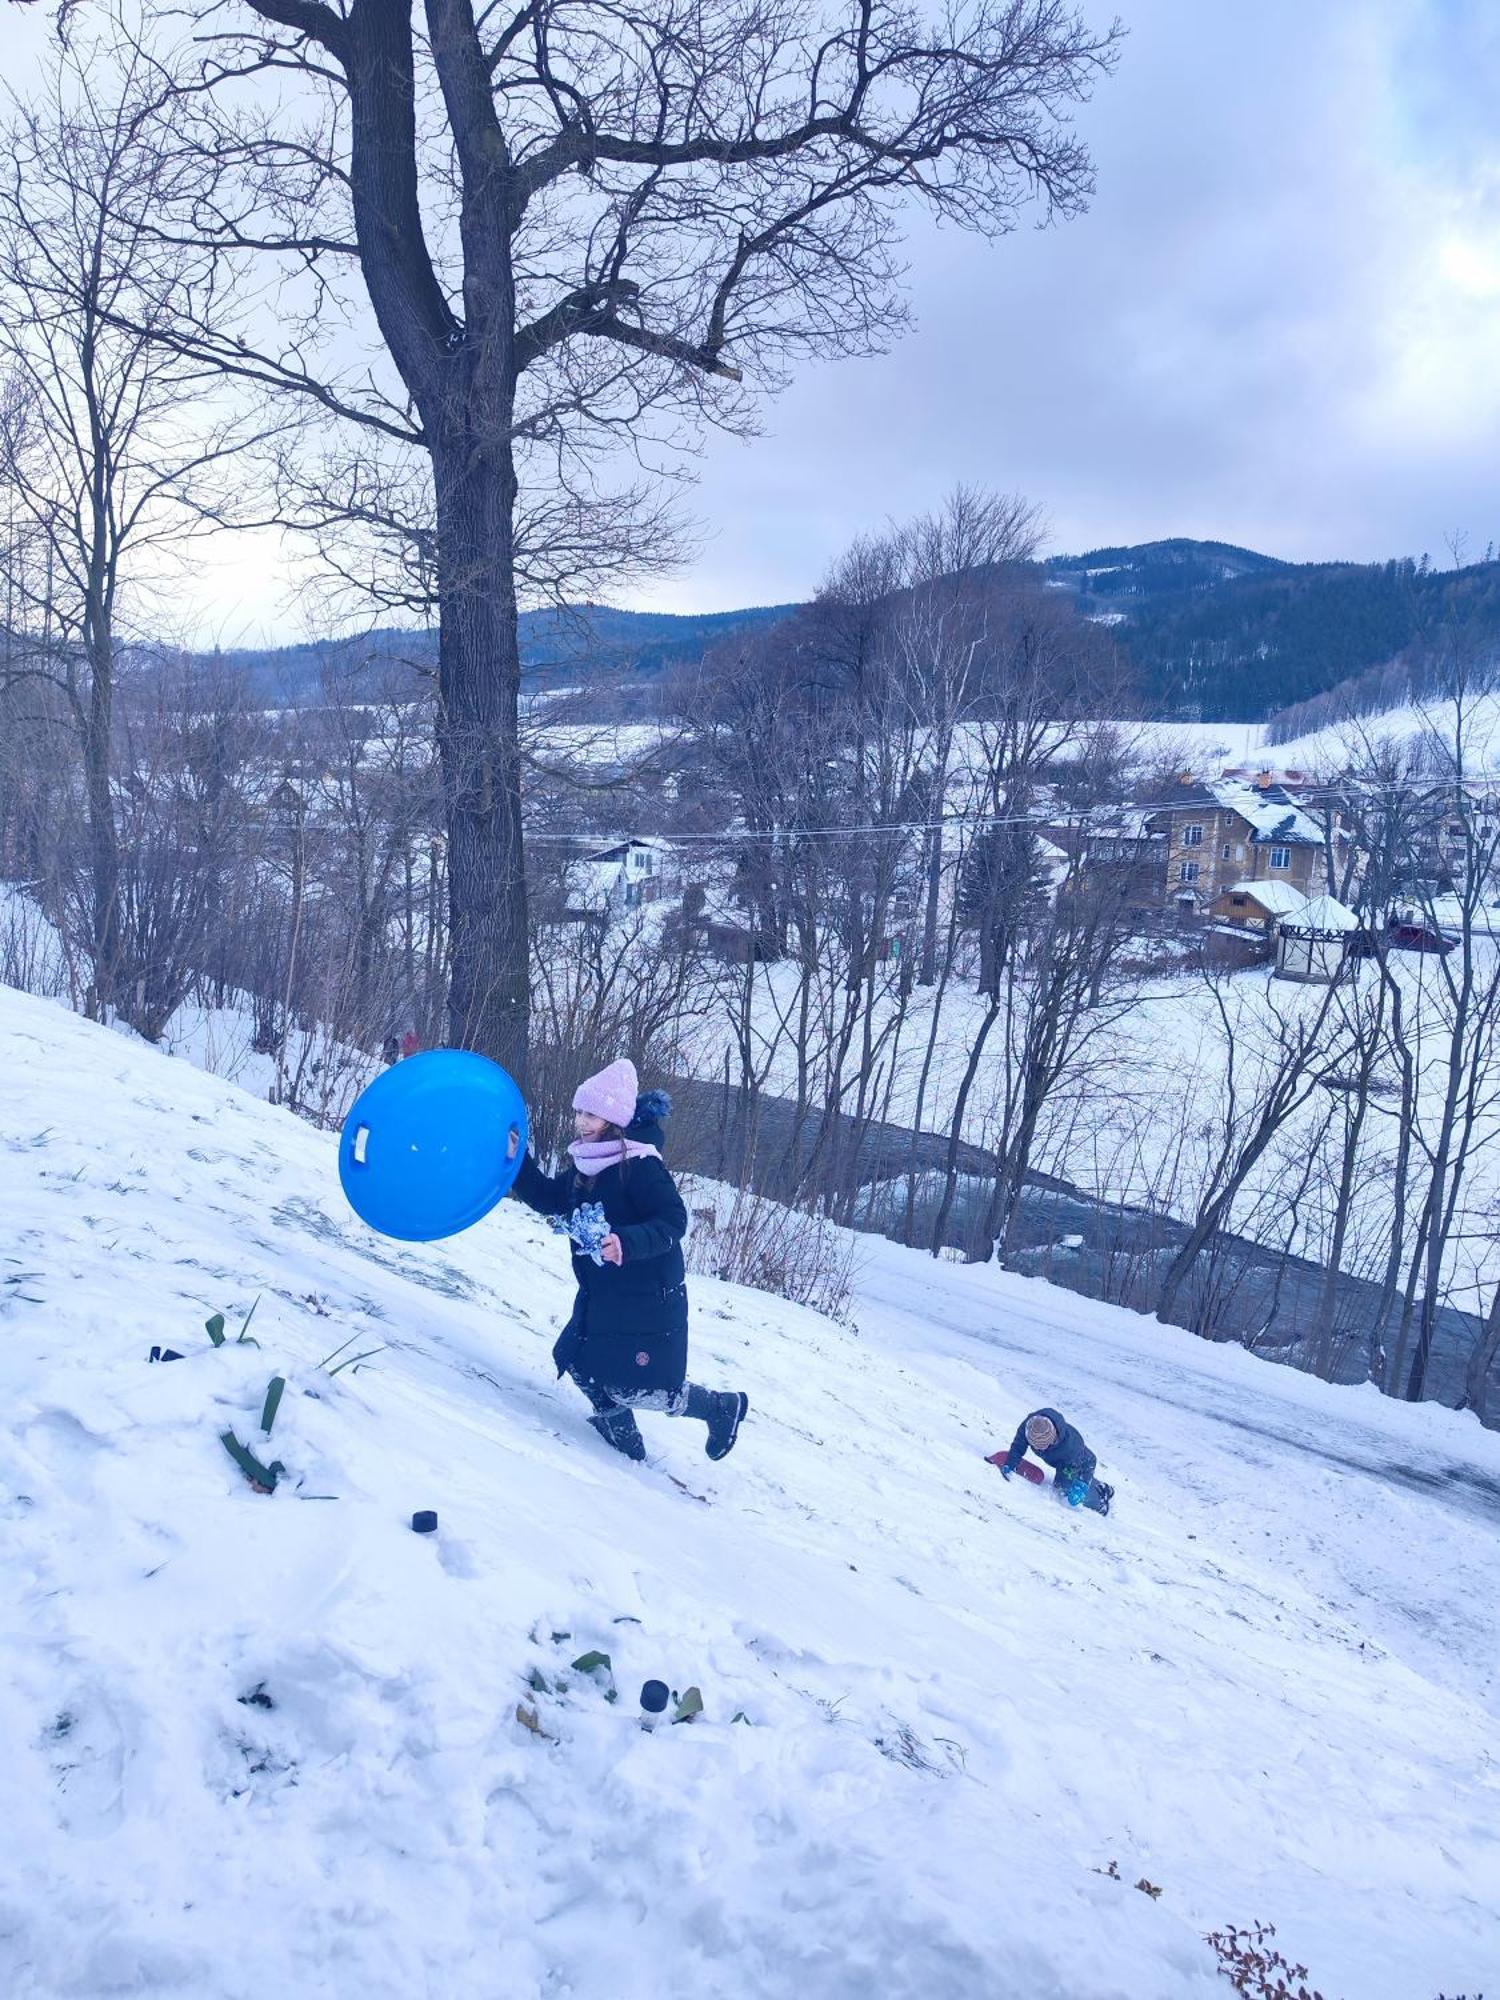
[
  {"x": 270, "y": 1744},
  {"x": 1440, "y": 723}
]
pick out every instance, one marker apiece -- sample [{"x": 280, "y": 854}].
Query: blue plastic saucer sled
[{"x": 426, "y": 1150}]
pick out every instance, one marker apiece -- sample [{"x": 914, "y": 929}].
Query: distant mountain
[
  {"x": 557, "y": 648},
  {"x": 1112, "y": 579},
  {"x": 1227, "y": 635},
  {"x": 1212, "y": 631},
  {"x": 595, "y": 637}
]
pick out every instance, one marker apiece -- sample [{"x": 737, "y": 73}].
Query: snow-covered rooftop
[
  {"x": 1272, "y": 813},
  {"x": 618, "y": 849},
  {"x": 1132, "y": 823},
  {"x": 1326, "y": 913},
  {"x": 1280, "y": 898}
]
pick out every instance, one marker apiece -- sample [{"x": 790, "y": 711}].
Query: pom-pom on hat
[
  {"x": 611, "y": 1094},
  {"x": 652, "y": 1107},
  {"x": 1041, "y": 1433}
]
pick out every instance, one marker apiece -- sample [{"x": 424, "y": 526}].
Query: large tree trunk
[
  {"x": 479, "y": 676},
  {"x": 104, "y": 851},
  {"x": 927, "y": 971}
]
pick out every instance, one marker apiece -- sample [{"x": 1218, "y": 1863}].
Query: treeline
[
  {"x": 585, "y": 644},
  {"x": 1206, "y": 630},
  {"x": 1253, "y": 645}
]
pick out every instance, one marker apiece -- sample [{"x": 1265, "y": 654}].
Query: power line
[{"x": 1085, "y": 821}]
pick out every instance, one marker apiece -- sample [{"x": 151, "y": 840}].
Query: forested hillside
[
  {"x": 1206, "y": 630},
  {"x": 1232, "y": 636},
  {"x": 558, "y": 648}
]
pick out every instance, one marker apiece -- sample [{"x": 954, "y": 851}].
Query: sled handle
[{"x": 360, "y": 1150}]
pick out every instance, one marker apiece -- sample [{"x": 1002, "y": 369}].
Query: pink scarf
[{"x": 592, "y": 1156}]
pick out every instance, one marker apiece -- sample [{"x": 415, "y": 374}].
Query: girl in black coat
[{"x": 625, "y": 1343}]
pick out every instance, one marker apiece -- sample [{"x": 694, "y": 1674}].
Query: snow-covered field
[
  {"x": 270, "y": 1744},
  {"x": 1204, "y": 747},
  {"x": 1339, "y": 744},
  {"x": 1140, "y": 1118}
]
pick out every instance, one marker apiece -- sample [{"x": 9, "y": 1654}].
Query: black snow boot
[
  {"x": 618, "y": 1427},
  {"x": 729, "y": 1409}
]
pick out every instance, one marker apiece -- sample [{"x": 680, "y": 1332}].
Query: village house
[
  {"x": 623, "y": 877},
  {"x": 1122, "y": 847},
  {"x": 1228, "y": 837},
  {"x": 1260, "y": 906}
]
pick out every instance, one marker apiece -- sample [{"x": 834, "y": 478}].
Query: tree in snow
[
  {"x": 113, "y": 448},
  {"x": 580, "y": 230}
]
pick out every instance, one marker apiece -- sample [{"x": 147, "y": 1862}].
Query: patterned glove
[{"x": 587, "y": 1226}]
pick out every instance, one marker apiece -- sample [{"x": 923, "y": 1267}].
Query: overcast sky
[{"x": 1279, "y": 324}]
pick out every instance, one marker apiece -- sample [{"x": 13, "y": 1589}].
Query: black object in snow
[
  {"x": 165, "y": 1354},
  {"x": 654, "y": 1697},
  {"x": 424, "y": 1522}
]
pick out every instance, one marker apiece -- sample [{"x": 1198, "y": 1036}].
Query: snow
[
  {"x": 1198, "y": 746},
  {"x": 1140, "y": 1122},
  {"x": 1279, "y": 898},
  {"x": 1272, "y": 815},
  {"x": 1328, "y": 914},
  {"x": 1437, "y": 722},
  {"x": 1266, "y": 1683}
]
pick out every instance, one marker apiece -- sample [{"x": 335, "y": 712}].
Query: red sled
[{"x": 1026, "y": 1469}]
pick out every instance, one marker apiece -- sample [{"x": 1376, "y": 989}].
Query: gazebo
[{"x": 1313, "y": 943}]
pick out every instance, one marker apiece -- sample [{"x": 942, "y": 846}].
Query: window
[
  {"x": 1239, "y": 902},
  {"x": 1192, "y": 836},
  {"x": 1188, "y": 872},
  {"x": 1224, "y": 852},
  {"x": 1281, "y": 857}
]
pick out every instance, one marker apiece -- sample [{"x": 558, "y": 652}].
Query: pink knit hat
[{"x": 611, "y": 1094}]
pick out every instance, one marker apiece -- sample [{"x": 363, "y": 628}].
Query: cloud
[{"x": 1276, "y": 325}]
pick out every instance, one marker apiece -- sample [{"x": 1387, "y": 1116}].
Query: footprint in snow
[
  {"x": 86, "y": 1748},
  {"x": 457, "y": 1559},
  {"x": 58, "y": 1443}
]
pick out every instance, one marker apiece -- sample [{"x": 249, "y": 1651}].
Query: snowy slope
[
  {"x": 1264, "y": 1684},
  {"x": 1340, "y": 744}
]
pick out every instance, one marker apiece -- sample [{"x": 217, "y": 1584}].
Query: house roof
[
  {"x": 1270, "y": 811},
  {"x": 1134, "y": 823},
  {"x": 1278, "y": 899},
  {"x": 1325, "y": 914},
  {"x": 621, "y": 848},
  {"x": 1273, "y": 814},
  {"x": 1051, "y": 860}
]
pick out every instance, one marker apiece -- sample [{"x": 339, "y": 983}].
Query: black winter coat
[
  {"x": 628, "y": 1328},
  {"x": 1068, "y": 1454}
]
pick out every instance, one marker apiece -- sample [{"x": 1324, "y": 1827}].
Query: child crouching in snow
[
  {"x": 1057, "y": 1444},
  {"x": 625, "y": 1344}
]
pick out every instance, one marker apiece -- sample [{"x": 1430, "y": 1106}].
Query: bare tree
[
  {"x": 1273, "y": 1058},
  {"x": 579, "y": 227},
  {"x": 1482, "y": 1359},
  {"x": 950, "y": 563},
  {"x": 1463, "y": 1008},
  {"x": 1069, "y": 996},
  {"x": 106, "y": 461}
]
